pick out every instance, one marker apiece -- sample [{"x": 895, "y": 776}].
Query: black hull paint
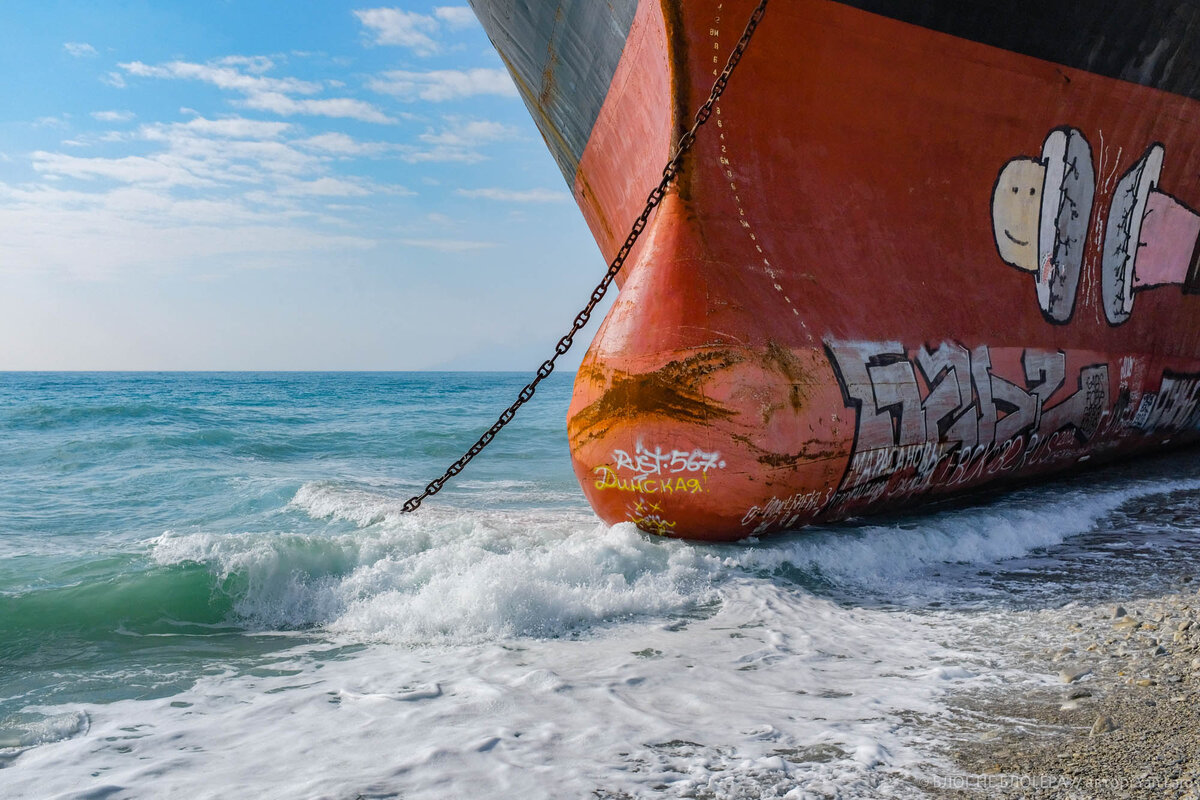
[
  {"x": 1154, "y": 43},
  {"x": 562, "y": 55}
]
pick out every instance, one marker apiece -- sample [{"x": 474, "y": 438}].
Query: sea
[{"x": 208, "y": 589}]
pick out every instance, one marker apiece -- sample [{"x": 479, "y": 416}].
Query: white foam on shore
[
  {"x": 903, "y": 561},
  {"x": 323, "y": 500},
  {"x": 462, "y": 579},
  {"x": 774, "y": 691},
  {"x": 368, "y": 507},
  {"x": 538, "y": 654},
  {"x": 32, "y": 729}
]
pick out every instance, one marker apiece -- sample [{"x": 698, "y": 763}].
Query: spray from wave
[
  {"x": 463, "y": 578},
  {"x": 458, "y": 576}
]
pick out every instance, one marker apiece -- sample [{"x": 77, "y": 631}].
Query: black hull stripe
[
  {"x": 1154, "y": 43},
  {"x": 562, "y": 55}
]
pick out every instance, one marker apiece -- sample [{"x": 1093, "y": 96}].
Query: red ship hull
[{"x": 899, "y": 264}]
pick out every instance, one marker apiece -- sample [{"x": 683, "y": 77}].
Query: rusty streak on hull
[{"x": 672, "y": 391}]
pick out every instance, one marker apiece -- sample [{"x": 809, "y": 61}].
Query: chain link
[{"x": 669, "y": 173}]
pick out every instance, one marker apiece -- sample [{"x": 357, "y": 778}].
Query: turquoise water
[
  {"x": 98, "y": 467},
  {"x": 206, "y": 572}
]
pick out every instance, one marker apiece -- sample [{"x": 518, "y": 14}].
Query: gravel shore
[{"x": 1122, "y": 720}]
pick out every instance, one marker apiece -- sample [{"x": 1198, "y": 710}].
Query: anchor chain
[{"x": 669, "y": 173}]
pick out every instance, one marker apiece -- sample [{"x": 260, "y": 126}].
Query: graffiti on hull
[
  {"x": 782, "y": 513},
  {"x": 947, "y": 417},
  {"x": 657, "y": 471},
  {"x": 1174, "y": 407},
  {"x": 1041, "y": 210},
  {"x": 652, "y": 474},
  {"x": 1042, "y": 213},
  {"x": 647, "y": 515},
  {"x": 1152, "y": 239}
]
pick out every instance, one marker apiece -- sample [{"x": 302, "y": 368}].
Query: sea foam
[
  {"x": 467, "y": 576},
  {"x": 448, "y": 576}
]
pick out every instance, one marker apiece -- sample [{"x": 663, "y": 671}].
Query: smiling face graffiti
[
  {"x": 1041, "y": 209},
  {"x": 1016, "y": 210}
]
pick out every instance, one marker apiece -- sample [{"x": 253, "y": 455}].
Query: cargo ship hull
[{"x": 913, "y": 253}]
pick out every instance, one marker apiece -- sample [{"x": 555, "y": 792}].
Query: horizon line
[{"x": 561, "y": 370}]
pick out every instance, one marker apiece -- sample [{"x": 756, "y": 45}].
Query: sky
[{"x": 262, "y": 185}]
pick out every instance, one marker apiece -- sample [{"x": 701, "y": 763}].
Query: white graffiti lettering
[
  {"x": 782, "y": 513},
  {"x": 644, "y": 462}
]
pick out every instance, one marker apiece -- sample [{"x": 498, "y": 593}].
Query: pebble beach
[{"x": 1119, "y": 718}]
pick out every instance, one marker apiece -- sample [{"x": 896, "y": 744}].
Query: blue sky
[{"x": 275, "y": 185}]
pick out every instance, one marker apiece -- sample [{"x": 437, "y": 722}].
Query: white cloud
[
  {"x": 261, "y": 92},
  {"x": 325, "y": 187},
  {"x": 404, "y": 28},
  {"x": 448, "y": 245},
  {"x": 511, "y": 196},
  {"x": 343, "y": 107},
  {"x": 222, "y": 154},
  {"x": 162, "y": 195},
  {"x": 114, "y": 79},
  {"x": 93, "y": 241},
  {"x": 79, "y": 49},
  {"x": 456, "y": 17},
  {"x": 113, "y": 116},
  {"x": 339, "y": 144},
  {"x": 337, "y": 187},
  {"x": 235, "y": 128},
  {"x": 441, "y": 155},
  {"x": 155, "y": 171},
  {"x": 219, "y": 175},
  {"x": 469, "y": 133},
  {"x": 447, "y": 84},
  {"x": 254, "y": 64},
  {"x": 394, "y": 26},
  {"x": 221, "y": 76},
  {"x": 230, "y": 161},
  {"x": 87, "y": 231},
  {"x": 458, "y": 142}
]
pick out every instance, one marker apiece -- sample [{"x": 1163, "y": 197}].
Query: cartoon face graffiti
[
  {"x": 1041, "y": 208},
  {"x": 1016, "y": 209}
]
